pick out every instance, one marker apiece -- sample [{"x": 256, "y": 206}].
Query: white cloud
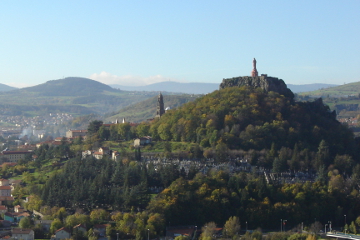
[{"x": 128, "y": 80}]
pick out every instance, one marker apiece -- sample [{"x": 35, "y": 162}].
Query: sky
[{"x": 137, "y": 43}]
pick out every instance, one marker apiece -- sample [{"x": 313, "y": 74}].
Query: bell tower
[{"x": 254, "y": 72}]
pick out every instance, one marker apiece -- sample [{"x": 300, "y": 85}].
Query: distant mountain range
[
  {"x": 309, "y": 87},
  {"x": 4, "y": 88},
  {"x": 204, "y": 88},
  {"x": 84, "y": 86},
  {"x": 344, "y": 90},
  {"x": 176, "y": 87}
]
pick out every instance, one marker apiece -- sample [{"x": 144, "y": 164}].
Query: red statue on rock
[{"x": 254, "y": 72}]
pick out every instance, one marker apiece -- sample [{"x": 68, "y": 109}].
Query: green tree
[
  {"x": 352, "y": 228},
  {"x": 221, "y": 152},
  {"x": 104, "y": 133},
  {"x": 143, "y": 129},
  {"x": 94, "y": 127},
  {"x": 279, "y": 165},
  {"x": 25, "y": 222},
  {"x": 232, "y": 227},
  {"x": 99, "y": 215},
  {"x": 208, "y": 231},
  {"x": 182, "y": 237},
  {"x": 55, "y": 225}
]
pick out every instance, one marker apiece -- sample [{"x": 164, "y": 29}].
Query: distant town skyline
[{"x": 135, "y": 43}]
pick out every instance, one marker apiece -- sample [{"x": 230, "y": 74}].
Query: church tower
[
  {"x": 160, "y": 106},
  {"x": 254, "y": 72}
]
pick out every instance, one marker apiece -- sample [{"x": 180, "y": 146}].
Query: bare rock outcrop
[{"x": 264, "y": 82}]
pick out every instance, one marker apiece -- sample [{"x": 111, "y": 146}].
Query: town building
[
  {"x": 76, "y": 133},
  {"x": 22, "y": 233},
  {"x": 13, "y": 156}
]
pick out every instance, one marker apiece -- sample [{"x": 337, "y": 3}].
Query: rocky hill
[{"x": 264, "y": 82}]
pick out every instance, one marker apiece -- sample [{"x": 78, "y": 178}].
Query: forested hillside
[
  {"x": 242, "y": 118},
  {"x": 232, "y": 140}
]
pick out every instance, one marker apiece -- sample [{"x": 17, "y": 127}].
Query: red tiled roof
[
  {"x": 21, "y": 231},
  {"x": 3, "y": 207},
  {"x": 99, "y": 226},
  {"x": 80, "y": 226},
  {"x": 6, "y": 198},
  {"x": 5, "y": 187},
  {"x": 80, "y": 131},
  {"x": 14, "y": 152},
  {"x": 11, "y": 164},
  {"x": 13, "y": 214},
  {"x": 63, "y": 228}
]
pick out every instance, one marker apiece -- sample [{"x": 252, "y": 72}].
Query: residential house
[
  {"x": 7, "y": 200},
  {"x": 19, "y": 209},
  {"x": 80, "y": 228},
  {"x": 62, "y": 233},
  {"x": 5, "y": 224},
  {"x": 115, "y": 155},
  {"x": 3, "y": 209},
  {"x": 4, "y": 182},
  {"x": 48, "y": 142},
  {"x": 5, "y": 191},
  {"x": 101, "y": 229},
  {"x": 188, "y": 231},
  {"x": 45, "y": 224},
  {"x": 86, "y": 153},
  {"x": 103, "y": 151},
  {"x": 15, "y": 217},
  {"x": 22, "y": 233},
  {"x": 14, "y": 183},
  {"x": 142, "y": 141}
]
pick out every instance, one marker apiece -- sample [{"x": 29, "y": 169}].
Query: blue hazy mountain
[
  {"x": 204, "y": 88},
  {"x": 5, "y": 88}
]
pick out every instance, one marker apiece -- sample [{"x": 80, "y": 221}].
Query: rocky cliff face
[{"x": 264, "y": 82}]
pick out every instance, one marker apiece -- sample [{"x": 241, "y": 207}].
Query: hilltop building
[{"x": 160, "y": 106}]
